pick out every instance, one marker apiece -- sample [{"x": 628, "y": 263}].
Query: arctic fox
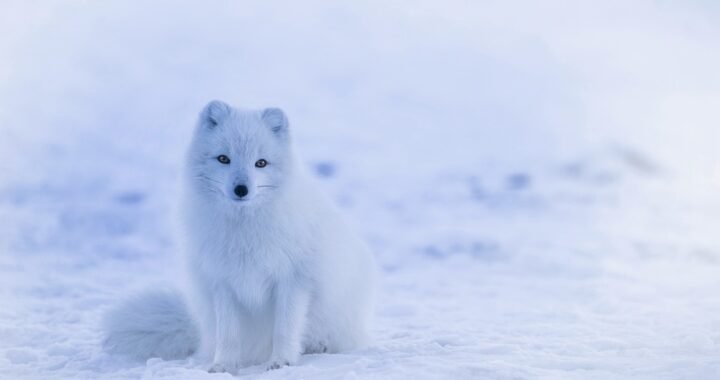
[{"x": 273, "y": 271}]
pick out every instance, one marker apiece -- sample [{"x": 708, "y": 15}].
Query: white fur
[
  {"x": 152, "y": 324},
  {"x": 276, "y": 273}
]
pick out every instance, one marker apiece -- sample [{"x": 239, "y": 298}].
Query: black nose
[{"x": 241, "y": 190}]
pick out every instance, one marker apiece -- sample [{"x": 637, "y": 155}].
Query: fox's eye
[
  {"x": 223, "y": 159},
  {"x": 261, "y": 163}
]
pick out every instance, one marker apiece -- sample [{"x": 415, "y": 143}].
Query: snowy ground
[{"x": 539, "y": 182}]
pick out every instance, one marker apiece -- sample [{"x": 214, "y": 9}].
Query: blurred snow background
[{"x": 539, "y": 180}]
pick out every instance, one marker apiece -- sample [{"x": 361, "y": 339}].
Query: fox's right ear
[{"x": 214, "y": 113}]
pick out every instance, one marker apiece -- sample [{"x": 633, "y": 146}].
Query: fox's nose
[{"x": 241, "y": 190}]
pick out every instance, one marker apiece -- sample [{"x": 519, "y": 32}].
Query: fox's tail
[{"x": 151, "y": 324}]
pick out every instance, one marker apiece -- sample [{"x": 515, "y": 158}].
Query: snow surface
[{"x": 539, "y": 180}]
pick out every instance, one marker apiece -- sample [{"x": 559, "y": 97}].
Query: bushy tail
[{"x": 151, "y": 324}]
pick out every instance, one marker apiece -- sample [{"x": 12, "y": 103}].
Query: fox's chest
[
  {"x": 252, "y": 286},
  {"x": 251, "y": 264}
]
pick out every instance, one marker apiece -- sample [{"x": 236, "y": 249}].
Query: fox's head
[{"x": 241, "y": 156}]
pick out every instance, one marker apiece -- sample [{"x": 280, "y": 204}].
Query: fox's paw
[
  {"x": 277, "y": 364},
  {"x": 221, "y": 368},
  {"x": 318, "y": 347}
]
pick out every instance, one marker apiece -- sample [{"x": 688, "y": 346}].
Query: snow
[{"x": 539, "y": 180}]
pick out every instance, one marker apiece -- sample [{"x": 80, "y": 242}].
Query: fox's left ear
[{"x": 277, "y": 121}]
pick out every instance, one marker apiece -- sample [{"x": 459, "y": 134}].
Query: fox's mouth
[{"x": 249, "y": 198}]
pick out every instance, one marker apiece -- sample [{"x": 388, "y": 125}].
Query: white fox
[{"x": 273, "y": 270}]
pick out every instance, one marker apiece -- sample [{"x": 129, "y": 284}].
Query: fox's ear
[
  {"x": 214, "y": 113},
  {"x": 275, "y": 119}
]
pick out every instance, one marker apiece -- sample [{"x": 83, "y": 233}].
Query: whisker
[
  {"x": 208, "y": 179},
  {"x": 270, "y": 186}
]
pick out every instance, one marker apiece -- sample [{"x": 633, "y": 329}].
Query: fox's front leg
[
  {"x": 291, "y": 306},
  {"x": 227, "y": 332}
]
